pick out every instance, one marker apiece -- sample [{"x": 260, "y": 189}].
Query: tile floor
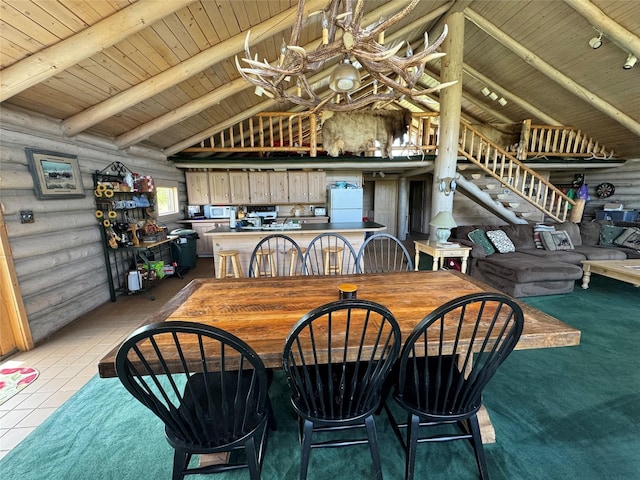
[{"x": 69, "y": 359}]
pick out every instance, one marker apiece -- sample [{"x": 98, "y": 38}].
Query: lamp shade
[
  {"x": 344, "y": 78},
  {"x": 443, "y": 220}
]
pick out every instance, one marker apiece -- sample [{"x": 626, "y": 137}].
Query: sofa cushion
[
  {"x": 501, "y": 241},
  {"x": 573, "y": 230},
  {"x": 522, "y": 268},
  {"x": 589, "y": 233},
  {"x": 520, "y": 234},
  {"x": 558, "y": 240},
  {"x": 567, "y": 256},
  {"x": 480, "y": 237},
  {"x": 597, "y": 252},
  {"x": 608, "y": 233}
]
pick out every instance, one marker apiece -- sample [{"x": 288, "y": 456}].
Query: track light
[
  {"x": 596, "y": 42},
  {"x": 631, "y": 61}
]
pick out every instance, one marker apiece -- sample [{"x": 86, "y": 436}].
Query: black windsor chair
[
  {"x": 336, "y": 359},
  {"x": 446, "y": 386},
  {"x": 206, "y": 385},
  {"x": 381, "y": 253},
  {"x": 276, "y": 255},
  {"x": 330, "y": 254}
]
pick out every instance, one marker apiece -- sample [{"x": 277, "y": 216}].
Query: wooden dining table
[{"x": 262, "y": 311}]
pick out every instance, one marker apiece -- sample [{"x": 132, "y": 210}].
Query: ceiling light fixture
[
  {"x": 502, "y": 101},
  {"x": 631, "y": 61},
  {"x": 493, "y": 96},
  {"x": 364, "y": 46},
  {"x": 485, "y": 91},
  {"x": 596, "y": 42},
  {"x": 345, "y": 78}
]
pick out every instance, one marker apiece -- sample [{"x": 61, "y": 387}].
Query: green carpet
[{"x": 560, "y": 413}]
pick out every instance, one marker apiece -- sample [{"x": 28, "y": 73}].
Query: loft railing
[
  {"x": 513, "y": 174},
  {"x": 558, "y": 141},
  {"x": 266, "y": 132}
]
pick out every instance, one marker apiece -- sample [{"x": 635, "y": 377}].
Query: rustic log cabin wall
[
  {"x": 625, "y": 179},
  {"x": 59, "y": 258}
]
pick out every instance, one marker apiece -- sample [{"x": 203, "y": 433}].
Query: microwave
[{"x": 216, "y": 211}]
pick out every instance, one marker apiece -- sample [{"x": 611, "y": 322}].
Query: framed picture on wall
[{"x": 55, "y": 175}]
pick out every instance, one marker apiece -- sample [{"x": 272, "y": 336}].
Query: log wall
[
  {"x": 625, "y": 178},
  {"x": 59, "y": 259}
]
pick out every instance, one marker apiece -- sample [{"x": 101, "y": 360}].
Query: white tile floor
[{"x": 69, "y": 359}]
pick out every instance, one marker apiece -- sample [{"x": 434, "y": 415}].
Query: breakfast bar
[{"x": 245, "y": 239}]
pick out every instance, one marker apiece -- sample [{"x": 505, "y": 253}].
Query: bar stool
[
  {"x": 294, "y": 259},
  {"x": 265, "y": 264},
  {"x": 234, "y": 255},
  {"x": 332, "y": 253}
]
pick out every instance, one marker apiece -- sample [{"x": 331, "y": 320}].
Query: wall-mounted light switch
[{"x": 26, "y": 216}]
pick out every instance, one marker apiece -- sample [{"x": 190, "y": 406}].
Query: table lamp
[{"x": 443, "y": 222}]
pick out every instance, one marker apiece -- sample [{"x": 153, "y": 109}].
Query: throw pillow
[
  {"x": 559, "y": 240},
  {"x": 624, "y": 236},
  {"x": 480, "y": 237},
  {"x": 608, "y": 233},
  {"x": 630, "y": 238},
  {"x": 501, "y": 241},
  {"x": 633, "y": 241},
  {"x": 536, "y": 233}
]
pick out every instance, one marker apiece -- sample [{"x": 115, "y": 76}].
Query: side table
[{"x": 440, "y": 253}]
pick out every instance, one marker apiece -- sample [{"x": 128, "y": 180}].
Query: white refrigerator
[{"x": 345, "y": 204}]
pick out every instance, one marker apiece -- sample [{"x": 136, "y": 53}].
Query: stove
[{"x": 266, "y": 212}]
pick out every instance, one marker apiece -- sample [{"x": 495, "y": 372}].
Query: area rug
[{"x": 12, "y": 380}]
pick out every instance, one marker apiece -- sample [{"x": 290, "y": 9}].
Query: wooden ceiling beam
[
  {"x": 54, "y": 59},
  {"x": 613, "y": 30},
  {"x": 521, "y": 102},
  {"x": 182, "y": 71},
  {"x": 543, "y": 67},
  {"x": 212, "y": 98}
]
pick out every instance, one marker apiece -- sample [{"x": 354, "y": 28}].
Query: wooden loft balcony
[{"x": 286, "y": 133}]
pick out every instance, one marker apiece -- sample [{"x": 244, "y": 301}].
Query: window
[{"x": 167, "y": 200}]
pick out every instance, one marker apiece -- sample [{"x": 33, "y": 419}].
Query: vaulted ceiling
[{"x": 162, "y": 74}]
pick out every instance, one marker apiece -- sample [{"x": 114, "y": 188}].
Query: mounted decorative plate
[{"x": 605, "y": 190}]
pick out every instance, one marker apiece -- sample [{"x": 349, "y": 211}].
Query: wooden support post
[{"x": 450, "y": 108}]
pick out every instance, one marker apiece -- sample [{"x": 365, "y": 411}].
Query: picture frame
[{"x": 55, "y": 175}]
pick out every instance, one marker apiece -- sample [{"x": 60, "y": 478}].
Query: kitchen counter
[{"x": 225, "y": 238}]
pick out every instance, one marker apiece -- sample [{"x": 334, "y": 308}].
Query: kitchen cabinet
[
  {"x": 259, "y": 188},
  {"x": 197, "y": 187},
  {"x": 219, "y": 188},
  {"x": 203, "y": 244},
  {"x": 317, "y": 187},
  {"x": 298, "y": 187},
  {"x": 239, "y": 188},
  {"x": 278, "y": 187}
]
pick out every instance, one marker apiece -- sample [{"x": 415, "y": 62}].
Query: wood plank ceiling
[{"x": 128, "y": 71}]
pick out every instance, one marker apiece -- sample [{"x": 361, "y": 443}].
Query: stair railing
[
  {"x": 559, "y": 141},
  {"x": 513, "y": 174}
]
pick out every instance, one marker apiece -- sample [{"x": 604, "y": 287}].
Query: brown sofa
[{"x": 531, "y": 271}]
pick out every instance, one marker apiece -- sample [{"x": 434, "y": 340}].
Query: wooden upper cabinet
[
  {"x": 317, "y": 187},
  {"x": 197, "y": 188},
  {"x": 219, "y": 188},
  {"x": 259, "y": 188},
  {"x": 279, "y": 187},
  {"x": 298, "y": 187},
  {"x": 239, "y": 187}
]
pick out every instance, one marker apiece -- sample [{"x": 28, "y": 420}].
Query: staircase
[{"x": 513, "y": 176}]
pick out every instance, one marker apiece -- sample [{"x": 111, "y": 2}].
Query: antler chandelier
[{"x": 391, "y": 75}]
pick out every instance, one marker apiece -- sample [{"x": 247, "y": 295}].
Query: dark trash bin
[{"x": 183, "y": 248}]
